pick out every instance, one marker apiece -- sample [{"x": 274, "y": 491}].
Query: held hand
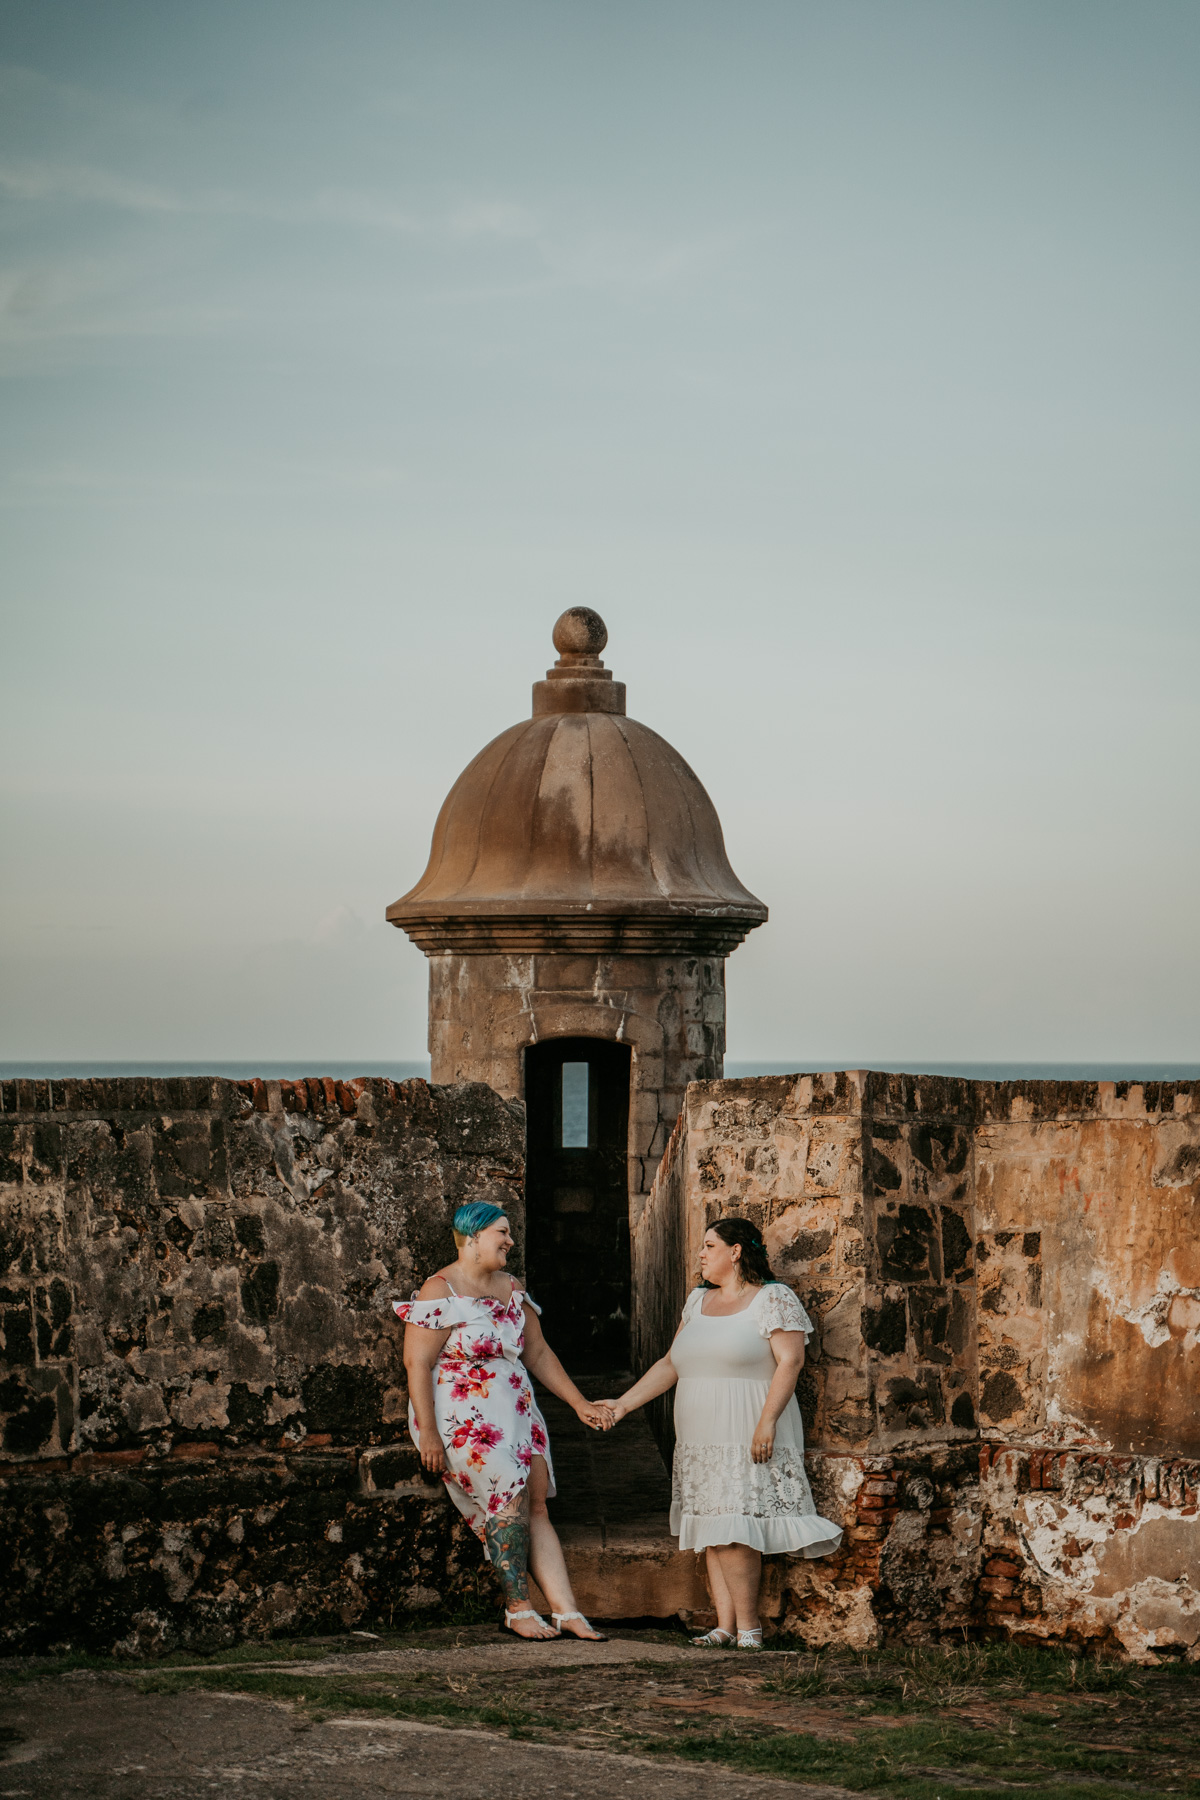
[
  {"x": 597, "y": 1415},
  {"x": 762, "y": 1445},
  {"x": 617, "y": 1410},
  {"x": 433, "y": 1453}
]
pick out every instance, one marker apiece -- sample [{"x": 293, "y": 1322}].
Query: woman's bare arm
[
  {"x": 658, "y": 1378},
  {"x": 541, "y": 1361},
  {"x": 787, "y": 1347},
  {"x": 422, "y": 1347}
]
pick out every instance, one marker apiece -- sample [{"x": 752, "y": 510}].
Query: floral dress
[{"x": 483, "y": 1401}]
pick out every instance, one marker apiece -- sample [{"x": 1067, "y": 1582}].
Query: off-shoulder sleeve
[
  {"x": 527, "y": 1300},
  {"x": 436, "y": 1315},
  {"x": 779, "y": 1310}
]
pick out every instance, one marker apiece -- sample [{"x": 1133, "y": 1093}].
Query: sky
[{"x": 842, "y": 355}]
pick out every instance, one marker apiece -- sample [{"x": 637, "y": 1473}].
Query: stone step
[
  {"x": 611, "y": 1513},
  {"x": 633, "y": 1578}
]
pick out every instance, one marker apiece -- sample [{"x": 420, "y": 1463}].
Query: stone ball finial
[{"x": 580, "y": 632}]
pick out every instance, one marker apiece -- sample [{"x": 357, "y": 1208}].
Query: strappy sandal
[
  {"x": 716, "y": 1639},
  {"x": 526, "y": 1612},
  {"x": 750, "y": 1640},
  {"x": 558, "y": 1618}
]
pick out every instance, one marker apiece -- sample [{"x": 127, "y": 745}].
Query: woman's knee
[
  {"x": 538, "y": 1487},
  {"x": 537, "y": 1490}
]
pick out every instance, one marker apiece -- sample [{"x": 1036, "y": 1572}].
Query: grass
[
  {"x": 918, "y": 1762},
  {"x": 324, "y": 1695},
  {"x": 938, "y": 1677},
  {"x": 910, "y": 1723},
  {"x": 1019, "y": 1737}
]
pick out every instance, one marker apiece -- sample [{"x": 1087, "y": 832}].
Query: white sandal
[
  {"x": 526, "y": 1612},
  {"x": 558, "y": 1618},
  {"x": 750, "y": 1640},
  {"x": 716, "y": 1639}
]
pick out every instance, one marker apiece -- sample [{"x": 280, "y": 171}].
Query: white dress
[{"x": 719, "y": 1496}]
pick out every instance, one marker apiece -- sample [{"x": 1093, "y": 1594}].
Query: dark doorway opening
[{"x": 577, "y": 1198}]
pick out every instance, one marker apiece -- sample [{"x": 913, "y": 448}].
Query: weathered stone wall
[
  {"x": 485, "y": 1010},
  {"x": 1089, "y": 1265},
  {"x": 786, "y": 1152},
  {"x": 660, "y": 1261},
  {"x": 1003, "y": 1281},
  {"x": 203, "y": 1398}
]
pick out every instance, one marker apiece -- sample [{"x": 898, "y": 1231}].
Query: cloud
[
  {"x": 54, "y": 484},
  {"x": 346, "y": 206},
  {"x": 468, "y": 250},
  {"x": 569, "y": 256},
  {"x": 493, "y": 219},
  {"x": 32, "y": 181},
  {"x": 92, "y": 300}
]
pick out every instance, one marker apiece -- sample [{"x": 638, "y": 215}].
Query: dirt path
[
  {"x": 105, "y": 1741},
  {"x": 463, "y": 1712}
]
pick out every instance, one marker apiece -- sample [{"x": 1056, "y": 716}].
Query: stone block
[
  {"x": 642, "y": 1135},
  {"x": 885, "y": 1323},
  {"x": 648, "y": 1071},
  {"x": 938, "y": 1156},
  {"x": 393, "y": 1466},
  {"x": 907, "y": 1243},
  {"x": 571, "y": 973},
  {"x": 885, "y": 1163}
]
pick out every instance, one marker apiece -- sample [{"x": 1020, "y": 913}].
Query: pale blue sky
[{"x": 844, "y": 356}]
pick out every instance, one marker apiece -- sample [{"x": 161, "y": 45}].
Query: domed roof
[{"x": 578, "y": 830}]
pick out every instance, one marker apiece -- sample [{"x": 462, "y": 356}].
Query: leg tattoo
[{"x": 506, "y": 1540}]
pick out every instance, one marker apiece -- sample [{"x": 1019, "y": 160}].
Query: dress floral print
[{"x": 483, "y": 1400}]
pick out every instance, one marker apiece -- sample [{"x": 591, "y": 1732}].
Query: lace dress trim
[{"x": 722, "y": 1479}]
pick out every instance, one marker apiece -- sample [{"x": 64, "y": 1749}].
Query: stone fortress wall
[
  {"x": 202, "y": 1395},
  {"x": 1001, "y": 1399},
  {"x": 202, "y": 1398}
]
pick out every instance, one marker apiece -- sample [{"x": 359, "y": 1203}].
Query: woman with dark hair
[
  {"x": 475, "y": 1421},
  {"x": 739, "y": 1490}
]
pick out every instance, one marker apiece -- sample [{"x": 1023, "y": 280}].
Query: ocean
[{"x": 281, "y": 1068}]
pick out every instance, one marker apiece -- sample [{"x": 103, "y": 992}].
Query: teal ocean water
[{"x": 280, "y": 1069}]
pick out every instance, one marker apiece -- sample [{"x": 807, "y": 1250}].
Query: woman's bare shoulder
[{"x": 436, "y": 1288}]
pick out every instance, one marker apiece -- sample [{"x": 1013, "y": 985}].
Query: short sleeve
[
  {"x": 779, "y": 1310},
  {"x": 692, "y": 1305},
  {"x": 436, "y": 1315}
]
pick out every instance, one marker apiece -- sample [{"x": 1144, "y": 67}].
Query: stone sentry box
[
  {"x": 202, "y": 1395},
  {"x": 578, "y": 886},
  {"x": 1001, "y": 1401}
]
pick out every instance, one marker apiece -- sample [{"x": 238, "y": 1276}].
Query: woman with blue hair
[{"x": 472, "y": 1338}]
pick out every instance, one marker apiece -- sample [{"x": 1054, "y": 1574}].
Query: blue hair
[{"x": 475, "y": 1217}]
